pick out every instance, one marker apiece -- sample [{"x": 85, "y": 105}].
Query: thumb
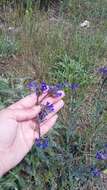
[{"x": 26, "y": 114}]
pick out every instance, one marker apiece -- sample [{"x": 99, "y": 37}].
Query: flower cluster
[
  {"x": 50, "y": 90},
  {"x": 41, "y": 117},
  {"x": 102, "y": 155},
  {"x": 95, "y": 172},
  {"x": 41, "y": 143},
  {"x": 35, "y": 87},
  {"x": 46, "y": 109},
  {"x": 103, "y": 70},
  {"x": 74, "y": 86},
  {"x": 44, "y": 86}
]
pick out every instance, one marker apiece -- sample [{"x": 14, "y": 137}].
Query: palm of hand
[
  {"x": 16, "y": 131},
  {"x": 16, "y": 139}
]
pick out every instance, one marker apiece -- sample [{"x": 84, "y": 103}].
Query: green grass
[
  {"x": 8, "y": 47},
  {"x": 58, "y": 51}
]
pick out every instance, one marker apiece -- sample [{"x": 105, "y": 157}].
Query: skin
[{"x": 17, "y": 124}]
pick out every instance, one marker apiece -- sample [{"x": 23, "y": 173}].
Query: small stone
[{"x": 86, "y": 23}]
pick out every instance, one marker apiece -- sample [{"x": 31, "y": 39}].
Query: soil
[{"x": 16, "y": 65}]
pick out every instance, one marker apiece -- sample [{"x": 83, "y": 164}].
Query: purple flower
[
  {"x": 49, "y": 107},
  {"x": 45, "y": 143},
  {"x": 101, "y": 155},
  {"x": 74, "y": 86},
  {"x": 34, "y": 86},
  {"x": 103, "y": 70},
  {"x": 41, "y": 143},
  {"x": 46, "y": 109},
  {"x": 44, "y": 86},
  {"x": 104, "y": 156},
  {"x": 58, "y": 94},
  {"x": 98, "y": 155},
  {"x": 59, "y": 86},
  {"x": 54, "y": 91},
  {"x": 95, "y": 172},
  {"x": 41, "y": 116}
]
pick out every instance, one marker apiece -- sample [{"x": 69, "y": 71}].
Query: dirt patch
[
  {"x": 16, "y": 66},
  {"x": 7, "y": 63}
]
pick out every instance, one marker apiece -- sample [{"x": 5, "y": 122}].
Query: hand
[{"x": 17, "y": 123}]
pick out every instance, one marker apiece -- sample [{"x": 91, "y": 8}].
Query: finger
[
  {"x": 30, "y": 100},
  {"x": 52, "y": 100},
  {"x": 47, "y": 126},
  {"x": 28, "y": 114},
  {"x": 27, "y": 102}
]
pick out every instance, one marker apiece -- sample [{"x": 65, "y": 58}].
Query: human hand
[{"x": 17, "y": 124}]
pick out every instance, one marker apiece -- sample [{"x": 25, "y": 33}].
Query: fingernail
[{"x": 62, "y": 103}]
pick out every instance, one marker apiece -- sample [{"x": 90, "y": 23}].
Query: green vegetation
[
  {"x": 8, "y": 47},
  {"x": 57, "y": 49}
]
